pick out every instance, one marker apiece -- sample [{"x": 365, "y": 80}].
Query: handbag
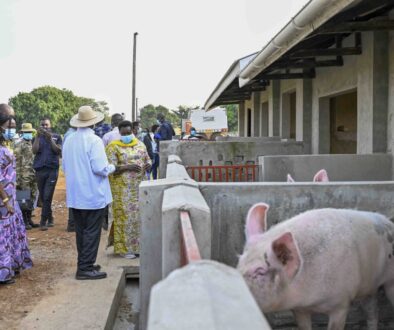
[{"x": 23, "y": 197}]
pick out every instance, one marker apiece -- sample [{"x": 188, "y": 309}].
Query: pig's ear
[
  {"x": 256, "y": 220},
  {"x": 321, "y": 176},
  {"x": 290, "y": 178},
  {"x": 287, "y": 253}
]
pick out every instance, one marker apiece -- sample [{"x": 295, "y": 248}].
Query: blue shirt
[
  {"x": 86, "y": 168},
  {"x": 102, "y": 129},
  {"x": 166, "y": 131},
  {"x": 46, "y": 157},
  {"x": 71, "y": 130}
]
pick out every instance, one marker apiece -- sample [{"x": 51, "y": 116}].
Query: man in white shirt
[
  {"x": 86, "y": 168},
  {"x": 116, "y": 119}
]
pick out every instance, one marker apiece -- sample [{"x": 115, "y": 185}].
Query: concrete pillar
[
  {"x": 274, "y": 108},
  {"x": 256, "y": 114},
  {"x": 324, "y": 125},
  {"x": 304, "y": 113},
  {"x": 186, "y": 199},
  {"x": 204, "y": 295},
  {"x": 285, "y": 116},
  {"x": 151, "y": 196},
  {"x": 264, "y": 119},
  {"x": 241, "y": 119},
  {"x": 175, "y": 170},
  {"x": 390, "y": 128},
  {"x": 372, "y": 93}
]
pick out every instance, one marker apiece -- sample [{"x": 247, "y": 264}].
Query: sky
[{"x": 184, "y": 47}]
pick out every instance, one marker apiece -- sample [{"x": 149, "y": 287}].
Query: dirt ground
[{"x": 53, "y": 252}]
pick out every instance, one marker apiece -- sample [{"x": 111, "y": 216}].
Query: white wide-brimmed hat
[{"x": 86, "y": 117}]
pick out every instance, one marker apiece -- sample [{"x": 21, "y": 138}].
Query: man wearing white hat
[{"x": 86, "y": 168}]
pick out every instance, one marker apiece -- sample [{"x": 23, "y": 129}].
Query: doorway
[
  {"x": 343, "y": 123},
  {"x": 249, "y": 122},
  {"x": 292, "y": 115}
]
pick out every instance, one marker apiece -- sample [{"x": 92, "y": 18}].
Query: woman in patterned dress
[
  {"x": 131, "y": 160},
  {"x": 14, "y": 251}
]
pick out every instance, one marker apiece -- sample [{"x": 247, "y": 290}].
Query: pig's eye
[{"x": 260, "y": 271}]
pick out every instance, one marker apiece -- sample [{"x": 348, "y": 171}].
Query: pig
[
  {"x": 320, "y": 176},
  {"x": 319, "y": 262}
]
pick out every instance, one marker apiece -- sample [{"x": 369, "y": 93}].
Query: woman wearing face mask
[
  {"x": 131, "y": 160},
  {"x": 14, "y": 251}
]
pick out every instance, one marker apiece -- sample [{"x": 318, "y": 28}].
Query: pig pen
[
  {"x": 227, "y": 205},
  {"x": 230, "y": 202}
]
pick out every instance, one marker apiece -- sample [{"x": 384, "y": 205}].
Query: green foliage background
[
  {"x": 149, "y": 113},
  {"x": 57, "y": 104},
  {"x": 232, "y": 117},
  {"x": 61, "y": 104}
]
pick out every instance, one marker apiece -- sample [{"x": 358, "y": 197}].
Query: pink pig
[
  {"x": 319, "y": 262},
  {"x": 320, "y": 176}
]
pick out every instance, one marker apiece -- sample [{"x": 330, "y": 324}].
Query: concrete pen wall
[
  {"x": 229, "y": 203},
  {"x": 371, "y": 167},
  {"x": 224, "y": 153}
]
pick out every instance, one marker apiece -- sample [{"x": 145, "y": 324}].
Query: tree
[
  {"x": 148, "y": 116},
  {"x": 232, "y": 117},
  {"x": 184, "y": 111},
  {"x": 57, "y": 104}
]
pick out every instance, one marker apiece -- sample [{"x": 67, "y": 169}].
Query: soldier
[{"x": 25, "y": 174}]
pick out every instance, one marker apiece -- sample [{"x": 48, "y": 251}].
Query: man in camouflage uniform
[{"x": 25, "y": 174}]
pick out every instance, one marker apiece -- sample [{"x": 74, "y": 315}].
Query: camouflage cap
[{"x": 27, "y": 127}]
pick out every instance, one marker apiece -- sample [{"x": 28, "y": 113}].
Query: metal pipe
[{"x": 309, "y": 18}]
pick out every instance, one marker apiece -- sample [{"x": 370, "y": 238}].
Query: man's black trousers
[
  {"x": 46, "y": 182},
  {"x": 88, "y": 229}
]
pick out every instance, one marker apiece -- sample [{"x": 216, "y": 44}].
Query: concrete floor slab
[{"x": 84, "y": 304}]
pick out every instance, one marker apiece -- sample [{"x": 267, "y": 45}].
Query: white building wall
[{"x": 331, "y": 81}]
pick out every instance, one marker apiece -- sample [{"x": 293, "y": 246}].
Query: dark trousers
[
  {"x": 46, "y": 182},
  {"x": 155, "y": 165},
  {"x": 88, "y": 229},
  {"x": 105, "y": 218},
  {"x": 71, "y": 222}
]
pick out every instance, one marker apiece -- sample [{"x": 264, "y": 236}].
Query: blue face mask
[
  {"x": 127, "y": 138},
  {"x": 27, "y": 136},
  {"x": 193, "y": 133},
  {"x": 9, "y": 133}
]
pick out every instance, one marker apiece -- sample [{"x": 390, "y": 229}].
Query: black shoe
[
  {"x": 27, "y": 226},
  {"x": 96, "y": 267},
  {"x": 10, "y": 281},
  {"x": 90, "y": 275},
  {"x": 33, "y": 225},
  {"x": 43, "y": 228}
]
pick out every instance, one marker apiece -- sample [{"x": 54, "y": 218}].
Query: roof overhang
[
  {"x": 313, "y": 15},
  {"x": 313, "y": 38},
  {"x": 228, "y": 79}
]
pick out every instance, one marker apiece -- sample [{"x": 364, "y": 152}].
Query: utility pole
[
  {"x": 133, "y": 108},
  {"x": 136, "y": 109}
]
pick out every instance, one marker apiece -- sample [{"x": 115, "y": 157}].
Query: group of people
[
  {"x": 14, "y": 250},
  {"x": 103, "y": 167},
  {"x": 106, "y": 172}
]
